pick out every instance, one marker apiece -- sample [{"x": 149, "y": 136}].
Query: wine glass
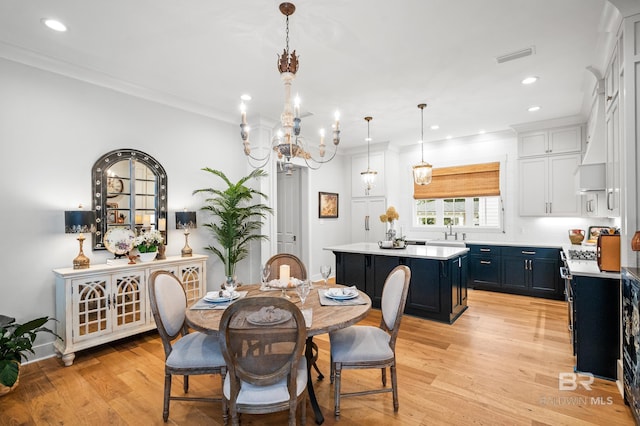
[
  {"x": 266, "y": 271},
  {"x": 325, "y": 271},
  {"x": 230, "y": 286},
  {"x": 303, "y": 290}
]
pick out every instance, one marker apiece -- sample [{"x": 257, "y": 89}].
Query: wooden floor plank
[{"x": 498, "y": 364}]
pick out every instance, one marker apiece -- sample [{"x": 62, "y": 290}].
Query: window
[
  {"x": 466, "y": 196},
  {"x": 479, "y": 212}
]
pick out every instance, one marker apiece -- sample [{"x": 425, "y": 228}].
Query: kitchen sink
[{"x": 446, "y": 243}]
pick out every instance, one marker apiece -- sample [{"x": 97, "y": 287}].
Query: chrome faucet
[{"x": 450, "y": 233}]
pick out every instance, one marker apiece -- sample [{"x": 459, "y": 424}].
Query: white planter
[{"x": 148, "y": 257}]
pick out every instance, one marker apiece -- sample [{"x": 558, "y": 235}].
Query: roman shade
[{"x": 473, "y": 180}]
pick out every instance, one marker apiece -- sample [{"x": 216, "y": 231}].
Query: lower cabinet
[
  {"x": 631, "y": 338},
  {"x": 438, "y": 288},
  {"x": 596, "y": 325},
  {"x": 108, "y": 302},
  {"x": 530, "y": 271}
]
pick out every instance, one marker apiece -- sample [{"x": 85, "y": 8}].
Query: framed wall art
[{"x": 327, "y": 205}]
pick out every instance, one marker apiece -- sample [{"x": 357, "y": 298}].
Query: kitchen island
[{"x": 438, "y": 287}]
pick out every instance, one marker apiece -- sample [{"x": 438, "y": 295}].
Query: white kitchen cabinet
[
  {"x": 559, "y": 140},
  {"x": 108, "y": 302},
  {"x": 548, "y": 186},
  {"x": 612, "y": 163},
  {"x": 358, "y": 165},
  {"x": 365, "y": 219},
  {"x": 593, "y": 204}
]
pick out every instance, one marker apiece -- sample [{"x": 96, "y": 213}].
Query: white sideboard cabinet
[{"x": 108, "y": 302}]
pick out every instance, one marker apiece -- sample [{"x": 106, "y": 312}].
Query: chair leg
[
  {"x": 384, "y": 376},
  {"x": 303, "y": 410},
  {"x": 331, "y": 370},
  {"x": 394, "y": 386},
  {"x": 167, "y": 393},
  {"x": 186, "y": 384},
  {"x": 225, "y": 403},
  {"x": 337, "y": 372}
]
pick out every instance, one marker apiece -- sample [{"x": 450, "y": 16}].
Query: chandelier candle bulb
[
  {"x": 243, "y": 113},
  {"x": 284, "y": 274}
]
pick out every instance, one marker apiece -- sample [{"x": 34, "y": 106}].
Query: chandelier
[
  {"x": 287, "y": 142},
  {"x": 368, "y": 176},
  {"x": 422, "y": 172}
]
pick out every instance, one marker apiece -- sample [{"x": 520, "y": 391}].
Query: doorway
[{"x": 292, "y": 219}]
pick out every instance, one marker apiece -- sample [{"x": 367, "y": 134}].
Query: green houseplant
[
  {"x": 238, "y": 218},
  {"x": 15, "y": 341}
]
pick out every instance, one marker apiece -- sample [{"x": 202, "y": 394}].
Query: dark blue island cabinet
[{"x": 438, "y": 288}]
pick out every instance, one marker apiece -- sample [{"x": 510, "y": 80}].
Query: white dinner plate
[
  {"x": 341, "y": 294},
  {"x": 269, "y": 317},
  {"x": 214, "y": 296}
]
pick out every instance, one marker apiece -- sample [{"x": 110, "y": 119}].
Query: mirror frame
[{"x": 99, "y": 181}]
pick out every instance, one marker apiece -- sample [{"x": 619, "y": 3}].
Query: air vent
[{"x": 516, "y": 55}]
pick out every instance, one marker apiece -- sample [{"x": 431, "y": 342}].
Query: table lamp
[
  {"x": 186, "y": 220},
  {"x": 78, "y": 222}
]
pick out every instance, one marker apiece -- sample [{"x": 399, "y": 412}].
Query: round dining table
[{"x": 324, "y": 319}]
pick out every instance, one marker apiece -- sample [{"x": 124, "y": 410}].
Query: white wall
[
  {"x": 490, "y": 147},
  {"x": 54, "y": 128}
]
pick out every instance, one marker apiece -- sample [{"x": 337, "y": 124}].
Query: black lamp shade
[
  {"x": 78, "y": 221},
  {"x": 185, "y": 219}
]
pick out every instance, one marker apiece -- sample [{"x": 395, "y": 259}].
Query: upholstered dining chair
[
  {"x": 296, "y": 267},
  {"x": 260, "y": 381},
  {"x": 359, "y": 346},
  {"x": 194, "y": 352}
]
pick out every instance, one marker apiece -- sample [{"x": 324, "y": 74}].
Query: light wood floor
[{"x": 497, "y": 365}]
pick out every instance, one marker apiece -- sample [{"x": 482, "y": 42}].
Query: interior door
[{"x": 289, "y": 212}]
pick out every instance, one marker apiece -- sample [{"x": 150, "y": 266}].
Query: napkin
[{"x": 341, "y": 291}]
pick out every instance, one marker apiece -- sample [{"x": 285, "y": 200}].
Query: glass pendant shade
[
  {"x": 368, "y": 176},
  {"x": 422, "y": 172}
]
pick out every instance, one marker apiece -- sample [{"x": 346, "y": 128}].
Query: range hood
[
  {"x": 596, "y": 150},
  {"x": 591, "y": 177}
]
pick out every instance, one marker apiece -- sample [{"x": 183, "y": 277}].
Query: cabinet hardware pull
[
  {"x": 525, "y": 264},
  {"x": 550, "y": 208},
  {"x": 485, "y": 249},
  {"x": 485, "y": 262},
  {"x": 528, "y": 252},
  {"x": 530, "y": 265}
]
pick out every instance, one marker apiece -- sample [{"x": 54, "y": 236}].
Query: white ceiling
[{"x": 363, "y": 57}]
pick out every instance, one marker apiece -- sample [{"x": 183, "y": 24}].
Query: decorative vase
[
  {"x": 635, "y": 241},
  {"x": 391, "y": 232},
  {"x": 148, "y": 257}
]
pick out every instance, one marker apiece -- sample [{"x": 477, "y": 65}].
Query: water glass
[
  {"x": 325, "y": 271},
  {"x": 303, "y": 290}
]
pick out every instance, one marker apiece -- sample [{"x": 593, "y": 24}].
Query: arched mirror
[{"x": 130, "y": 191}]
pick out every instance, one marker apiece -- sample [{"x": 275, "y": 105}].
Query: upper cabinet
[
  {"x": 560, "y": 140},
  {"x": 549, "y": 159}
]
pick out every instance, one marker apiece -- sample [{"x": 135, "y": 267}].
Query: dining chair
[
  {"x": 296, "y": 267},
  {"x": 194, "y": 353},
  {"x": 359, "y": 346},
  {"x": 259, "y": 381}
]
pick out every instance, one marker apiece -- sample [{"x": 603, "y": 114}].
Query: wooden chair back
[{"x": 297, "y": 268}]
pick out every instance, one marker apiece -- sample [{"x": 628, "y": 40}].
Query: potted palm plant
[
  {"x": 15, "y": 341},
  {"x": 238, "y": 218}
]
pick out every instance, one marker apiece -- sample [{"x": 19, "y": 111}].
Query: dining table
[{"x": 322, "y": 315}]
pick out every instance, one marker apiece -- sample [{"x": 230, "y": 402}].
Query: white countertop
[
  {"x": 424, "y": 252},
  {"x": 491, "y": 243},
  {"x": 586, "y": 268}
]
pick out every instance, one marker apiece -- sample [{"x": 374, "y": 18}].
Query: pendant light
[
  {"x": 422, "y": 172},
  {"x": 368, "y": 176}
]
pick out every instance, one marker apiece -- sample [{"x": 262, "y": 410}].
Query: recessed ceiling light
[
  {"x": 533, "y": 108},
  {"x": 54, "y": 24},
  {"x": 482, "y": 131},
  {"x": 530, "y": 80},
  {"x": 449, "y": 136},
  {"x": 435, "y": 127},
  {"x": 245, "y": 97}
]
